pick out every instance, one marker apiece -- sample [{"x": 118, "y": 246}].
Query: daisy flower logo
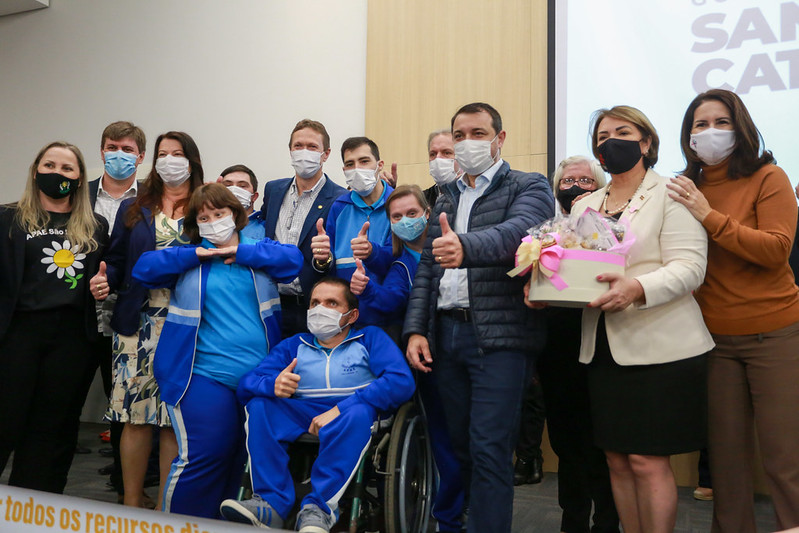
[{"x": 64, "y": 260}]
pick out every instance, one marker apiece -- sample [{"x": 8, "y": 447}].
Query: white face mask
[
  {"x": 713, "y": 146},
  {"x": 323, "y": 322},
  {"x": 218, "y": 231},
  {"x": 443, "y": 170},
  {"x": 306, "y": 163},
  {"x": 242, "y": 195},
  {"x": 474, "y": 156},
  {"x": 361, "y": 180},
  {"x": 173, "y": 170}
]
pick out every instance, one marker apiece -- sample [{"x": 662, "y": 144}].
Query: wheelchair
[{"x": 392, "y": 488}]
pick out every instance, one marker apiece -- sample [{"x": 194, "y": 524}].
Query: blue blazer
[
  {"x": 274, "y": 192},
  {"x": 127, "y": 245}
]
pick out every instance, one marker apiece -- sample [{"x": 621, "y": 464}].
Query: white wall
[{"x": 235, "y": 74}]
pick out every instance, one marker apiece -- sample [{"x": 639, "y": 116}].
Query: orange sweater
[{"x": 749, "y": 287}]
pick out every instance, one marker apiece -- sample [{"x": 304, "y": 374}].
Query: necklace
[{"x": 623, "y": 206}]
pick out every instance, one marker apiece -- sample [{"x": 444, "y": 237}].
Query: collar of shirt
[
  {"x": 482, "y": 181},
  {"x": 357, "y": 199},
  {"x": 312, "y": 190},
  {"x": 134, "y": 188}
]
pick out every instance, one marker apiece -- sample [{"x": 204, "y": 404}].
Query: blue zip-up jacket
[
  {"x": 367, "y": 367},
  {"x": 347, "y": 216},
  {"x": 383, "y": 304},
  {"x": 180, "y": 269},
  {"x": 255, "y": 227}
]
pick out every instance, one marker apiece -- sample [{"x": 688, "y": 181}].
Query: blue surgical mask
[
  {"x": 120, "y": 165},
  {"x": 409, "y": 229}
]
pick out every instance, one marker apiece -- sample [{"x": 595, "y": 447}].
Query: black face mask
[
  {"x": 618, "y": 155},
  {"x": 55, "y": 185},
  {"x": 566, "y": 196}
]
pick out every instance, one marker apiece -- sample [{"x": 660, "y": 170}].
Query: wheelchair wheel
[{"x": 408, "y": 488}]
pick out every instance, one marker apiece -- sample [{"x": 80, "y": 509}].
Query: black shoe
[
  {"x": 106, "y": 452},
  {"x": 528, "y": 472},
  {"x": 106, "y": 470},
  {"x": 82, "y": 450}
]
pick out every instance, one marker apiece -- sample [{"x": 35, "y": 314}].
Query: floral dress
[{"x": 135, "y": 398}]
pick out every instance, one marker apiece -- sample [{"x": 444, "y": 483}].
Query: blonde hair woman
[{"x": 50, "y": 244}]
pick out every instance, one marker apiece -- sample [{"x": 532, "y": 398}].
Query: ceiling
[{"x": 9, "y": 7}]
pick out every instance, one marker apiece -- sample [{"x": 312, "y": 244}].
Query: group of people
[{"x": 233, "y": 331}]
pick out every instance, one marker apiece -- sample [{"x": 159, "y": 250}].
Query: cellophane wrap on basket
[{"x": 581, "y": 246}]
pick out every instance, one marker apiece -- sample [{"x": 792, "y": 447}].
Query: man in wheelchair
[{"x": 331, "y": 382}]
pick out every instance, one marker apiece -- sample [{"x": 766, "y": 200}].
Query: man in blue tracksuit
[
  {"x": 331, "y": 382},
  {"x": 357, "y": 226},
  {"x": 241, "y": 181}
]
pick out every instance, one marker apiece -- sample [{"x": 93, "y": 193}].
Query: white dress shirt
[{"x": 454, "y": 286}]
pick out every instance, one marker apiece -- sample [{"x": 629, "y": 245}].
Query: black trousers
[
  {"x": 101, "y": 352},
  {"x": 531, "y": 428},
  {"x": 583, "y": 475},
  {"x": 44, "y": 358}
]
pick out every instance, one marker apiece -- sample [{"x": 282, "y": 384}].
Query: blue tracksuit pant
[
  {"x": 209, "y": 426},
  {"x": 273, "y": 423}
]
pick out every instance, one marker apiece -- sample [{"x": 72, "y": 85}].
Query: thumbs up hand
[
  {"x": 98, "y": 285},
  {"x": 320, "y": 243},
  {"x": 361, "y": 247},
  {"x": 359, "y": 279},
  {"x": 447, "y": 249},
  {"x": 287, "y": 381}
]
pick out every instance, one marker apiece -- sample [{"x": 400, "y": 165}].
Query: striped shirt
[{"x": 293, "y": 212}]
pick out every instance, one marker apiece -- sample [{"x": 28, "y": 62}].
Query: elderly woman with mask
[{"x": 583, "y": 478}]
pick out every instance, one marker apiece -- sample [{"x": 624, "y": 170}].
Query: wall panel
[{"x": 426, "y": 59}]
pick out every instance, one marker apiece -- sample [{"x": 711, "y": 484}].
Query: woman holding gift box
[
  {"x": 643, "y": 339},
  {"x": 750, "y": 304}
]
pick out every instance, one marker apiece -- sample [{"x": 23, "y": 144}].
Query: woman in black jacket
[{"x": 50, "y": 244}]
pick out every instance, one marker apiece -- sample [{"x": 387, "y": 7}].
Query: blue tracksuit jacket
[
  {"x": 367, "y": 367},
  {"x": 383, "y": 304},
  {"x": 179, "y": 269},
  {"x": 347, "y": 216}
]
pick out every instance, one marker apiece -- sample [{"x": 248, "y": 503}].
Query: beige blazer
[{"x": 668, "y": 258}]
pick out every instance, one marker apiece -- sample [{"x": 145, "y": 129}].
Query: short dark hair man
[
  {"x": 470, "y": 315},
  {"x": 241, "y": 181},
  {"x": 331, "y": 382},
  {"x": 122, "y": 147},
  {"x": 358, "y": 226},
  {"x": 291, "y": 209}
]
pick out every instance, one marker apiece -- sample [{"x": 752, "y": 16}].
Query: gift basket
[{"x": 565, "y": 254}]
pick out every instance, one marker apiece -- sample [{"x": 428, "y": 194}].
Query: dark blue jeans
[{"x": 481, "y": 393}]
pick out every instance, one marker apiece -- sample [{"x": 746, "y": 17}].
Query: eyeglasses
[{"x": 583, "y": 183}]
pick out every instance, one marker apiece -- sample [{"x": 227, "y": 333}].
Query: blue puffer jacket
[
  {"x": 367, "y": 367},
  {"x": 514, "y": 202},
  {"x": 180, "y": 269}
]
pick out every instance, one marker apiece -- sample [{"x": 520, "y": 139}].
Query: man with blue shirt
[
  {"x": 241, "y": 181},
  {"x": 331, "y": 382},
  {"x": 466, "y": 319},
  {"x": 291, "y": 209},
  {"x": 358, "y": 226}
]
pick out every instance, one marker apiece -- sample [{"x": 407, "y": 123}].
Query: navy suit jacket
[{"x": 274, "y": 192}]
